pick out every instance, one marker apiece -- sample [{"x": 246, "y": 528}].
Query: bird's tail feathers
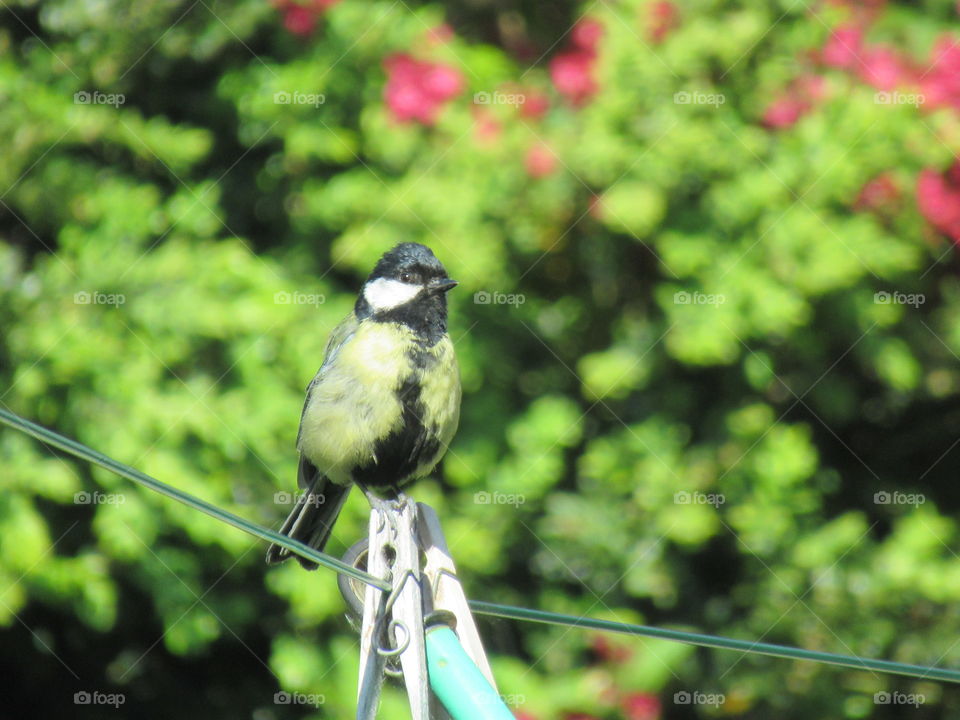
[{"x": 311, "y": 520}]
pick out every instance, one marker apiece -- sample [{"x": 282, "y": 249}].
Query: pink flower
[
  {"x": 586, "y": 34},
  {"x": 784, "y": 112},
  {"x": 938, "y": 196},
  {"x": 572, "y": 69},
  {"x": 843, "y": 47},
  {"x": 799, "y": 98},
  {"x": 299, "y": 20},
  {"x": 572, "y": 75},
  {"x": 641, "y": 706},
  {"x": 540, "y": 161},
  {"x": 663, "y": 17},
  {"x": 441, "y": 82},
  {"x": 882, "y": 67},
  {"x": 940, "y": 84},
  {"x": 417, "y": 90}
]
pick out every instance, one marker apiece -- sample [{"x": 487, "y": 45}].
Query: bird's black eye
[{"x": 406, "y": 277}]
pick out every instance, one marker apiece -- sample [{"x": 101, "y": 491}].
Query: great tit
[{"x": 385, "y": 403}]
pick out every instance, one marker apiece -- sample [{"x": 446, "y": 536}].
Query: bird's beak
[{"x": 441, "y": 286}]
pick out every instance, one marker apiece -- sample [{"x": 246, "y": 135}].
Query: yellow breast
[{"x": 355, "y": 402}]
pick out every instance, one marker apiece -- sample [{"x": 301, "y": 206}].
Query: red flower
[
  {"x": 572, "y": 75},
  {"x": 663, "y": 17},
  {"x": 535, "y": 105},
  {"x": 799, "y": 98},
  {"x": 843, "y": 47},
  {"x": 572, "y": 69},
  {"x": 301, "y": 18},
  {"x": 877, "y": 194},
  {"x": 641, "y": 706},
  {"x": 883, "y": 67},
  {"x": 540, "y": 161},
  {"x": 586, "y": 34},
  {"x": 938, "y": 196},
  {"x": 441, "y": 82},
  {"x": 784, "y": 112},
  {"x": 416, "y": 90},
  {"x": 940, "y": 84}
]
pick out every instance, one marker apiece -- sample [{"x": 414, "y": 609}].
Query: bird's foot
[
  {"x": 395, "y": 503},
  {"x": 389, "y": 509}
]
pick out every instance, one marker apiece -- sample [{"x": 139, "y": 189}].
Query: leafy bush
[{"x": 708, "y": 328}]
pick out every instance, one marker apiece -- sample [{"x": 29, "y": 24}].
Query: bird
[{"x": 385, "y": 403}]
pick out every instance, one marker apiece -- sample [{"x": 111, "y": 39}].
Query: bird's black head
[{"x": 409, "y": 286}]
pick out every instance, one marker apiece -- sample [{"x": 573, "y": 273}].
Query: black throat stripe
[{"x": 402, "y": 451}]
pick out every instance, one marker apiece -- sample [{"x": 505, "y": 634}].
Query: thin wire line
[
  {"x": 483, "y": 608},
  {"x": 86, "y": 453},
  {"x": 714, "y": 641}
]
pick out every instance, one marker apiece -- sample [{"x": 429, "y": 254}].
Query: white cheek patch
[{"x": 385, "y": 294}]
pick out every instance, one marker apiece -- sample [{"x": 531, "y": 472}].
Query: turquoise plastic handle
[{"x": 456, "y": 680}]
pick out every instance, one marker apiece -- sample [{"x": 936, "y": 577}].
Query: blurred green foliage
[{"x": 691, "y": 408}]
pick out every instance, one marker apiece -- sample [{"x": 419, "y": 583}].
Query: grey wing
[{"x": 340, "y": 335}]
